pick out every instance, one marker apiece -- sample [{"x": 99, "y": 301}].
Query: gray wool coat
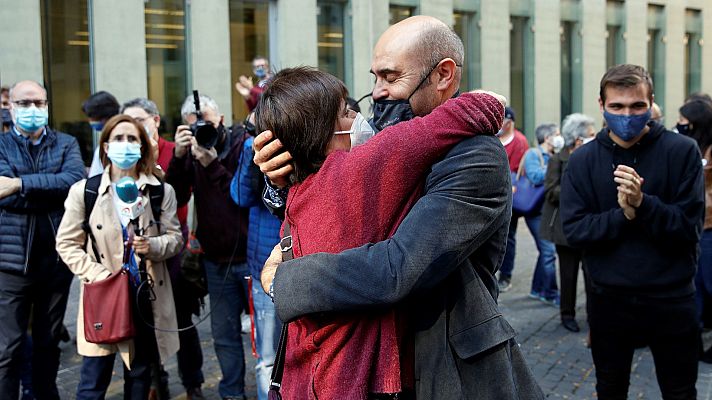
[{"x": 440, "y": 265}]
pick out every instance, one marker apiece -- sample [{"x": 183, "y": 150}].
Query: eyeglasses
[{"x": 29, "y": 103}]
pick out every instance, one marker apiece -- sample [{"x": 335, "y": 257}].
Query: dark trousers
[
  {"x": 44, "y": 290},
  {"x": 621, "y": 323},
  {"x": 190, "y": 354},
  {"x": 569, "y": 262},
  {"x": 96, "y": 372}
]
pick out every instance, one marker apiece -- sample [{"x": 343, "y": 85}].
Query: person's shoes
[
  {"x": 195, "y": 393},
  {"x": 64, "y": 335},
  {"x": 570, "y": 324},
  {"x": 504, "y": 284},
  {"x": 235, "y": 398},
  {"x": 554, "y": 301},
  {"x": 535, "y": 295}
]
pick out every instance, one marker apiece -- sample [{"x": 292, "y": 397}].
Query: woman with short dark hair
[{"x": 345, "y": 195}]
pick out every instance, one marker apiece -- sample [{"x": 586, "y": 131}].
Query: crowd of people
[{"x": 318, "y": 222}]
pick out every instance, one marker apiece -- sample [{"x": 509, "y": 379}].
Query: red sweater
[
  {"x": 516, "y": 149},
  {"x": 355, "y": 198},
  {"x": 165, "y": 153}
]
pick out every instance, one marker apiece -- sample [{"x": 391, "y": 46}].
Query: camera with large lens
[{"x": 205, "y": 133}]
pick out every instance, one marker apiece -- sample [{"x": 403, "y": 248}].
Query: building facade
[{"x": 546, "y": 56}]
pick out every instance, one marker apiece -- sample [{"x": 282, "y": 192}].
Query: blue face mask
[
  {"x": 30, "y": 119},
  {"x": 97, "y": 125},
  {"x": 124, "y": 154},
  {"x": 260, "y": 72},
  {"x": 627, "y": 127}
]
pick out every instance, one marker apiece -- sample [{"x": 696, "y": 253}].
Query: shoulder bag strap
[
  {"x": 91, "y": 193},
  {"x": 278, "y": 370}
]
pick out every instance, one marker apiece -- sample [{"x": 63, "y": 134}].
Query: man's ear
[
  {"x": 600, "y": 104},
  {"x": 446, "y": 73}
]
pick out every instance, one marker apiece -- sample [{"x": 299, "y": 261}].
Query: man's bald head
[
  {"x": 427, "y": 40},
  {"x": 24, "y": 86}
]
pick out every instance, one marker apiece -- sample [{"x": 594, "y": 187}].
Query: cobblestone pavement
[{"x": 559, "y": 359}]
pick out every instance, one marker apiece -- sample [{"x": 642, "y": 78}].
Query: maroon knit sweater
[{"x": 359, "y": 197}]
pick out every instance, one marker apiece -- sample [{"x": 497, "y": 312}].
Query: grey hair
[
  {"x": 141, "y": 102},
  {"x": 575, "y": 126},
  {"x": 188, "y": 106},
  {"x": 12, "y": 88},
  {"x": 543, "y": 131},
  {"x": 436, "y": 43}
]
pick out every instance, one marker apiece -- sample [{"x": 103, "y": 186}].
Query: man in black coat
[
  {"x": 633, "y": 199},
  {"x": 37, "y": 167},
  {"x": 441, "y": 262}
]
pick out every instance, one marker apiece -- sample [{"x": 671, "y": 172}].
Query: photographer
[{"x": 205, "y": 159}]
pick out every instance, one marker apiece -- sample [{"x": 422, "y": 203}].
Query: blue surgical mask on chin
[
  {"x": 627, "y": 127},
  {"x": 124, "y": 154},
  {"x": 30, "y": 119}
]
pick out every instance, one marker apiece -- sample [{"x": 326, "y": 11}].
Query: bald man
[
  {"x": 37, "y": 167},
  {"x": 440, "y": 264}
]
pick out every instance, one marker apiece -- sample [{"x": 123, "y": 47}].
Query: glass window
[
  {"x": 166, "y": 59},
  {"x": 65, "y": 34},
  {"x": 399, "y": 13},
  {"x": 656, "y": 51},
  {"x": 330, "y": 24},
  {"x": 615, "y": 44},
  {"x": 521, "y": 73},
  {"x": 571, "y": 75},
  {"x": 249, "y": 37},
  {"x": 467, "y": 29},
  {"x": 693, "y": 51}
]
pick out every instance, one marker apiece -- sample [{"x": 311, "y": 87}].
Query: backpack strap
[{"x": 91, "y": 193}]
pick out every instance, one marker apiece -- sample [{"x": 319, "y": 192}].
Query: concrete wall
[
  {"x": 296, "y": 34},
  {"x": 119, "y": 46},
  {"x": 369, "y": 21},
  {"x": 440, "y": 9},
  {"x": 636, "y": 32},
  {"x": 20, "y": 41},
  {"x": 210, "y": 52},
  {"x": 707, "y": 50},
  {"x": 593, "y": 26},
  {"x": 547, "y": 61},
  {"x": 494, "y": 45},
  {"x": 674, "y": 57}
]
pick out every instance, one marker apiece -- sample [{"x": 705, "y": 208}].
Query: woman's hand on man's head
[{"x": 272, "y": 160}]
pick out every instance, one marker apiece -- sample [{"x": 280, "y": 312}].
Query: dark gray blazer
[{"x": 440, "y": 265}]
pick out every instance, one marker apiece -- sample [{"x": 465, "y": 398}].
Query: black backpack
[{"x": 91, "y": 193}]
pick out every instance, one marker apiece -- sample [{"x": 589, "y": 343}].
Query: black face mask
[
  {"x": 6, "y": 117},
  {"x": 391, "y": 112},
  {"x": 683, "y": 129}
]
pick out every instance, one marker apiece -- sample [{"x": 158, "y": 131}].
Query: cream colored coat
[{"x": 105, "y": 225}]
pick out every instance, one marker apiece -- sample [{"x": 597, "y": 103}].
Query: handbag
[
  {"x": 108, "y": 317},
  {"x": 527, "y": 198}
]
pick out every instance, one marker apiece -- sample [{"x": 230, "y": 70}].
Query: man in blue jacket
[
  {"x": 262, "y": 235},
  {"x": 37, "y": 167},
  {"x": 633, "y": 199}
]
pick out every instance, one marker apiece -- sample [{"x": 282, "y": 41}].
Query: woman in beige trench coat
[{"x": 121, "y": 156}]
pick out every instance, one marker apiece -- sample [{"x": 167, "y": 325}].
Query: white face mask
[
  {"x": 360, "y": 131},
  {"x": 557, "y": 143},
  {"x": 588, "y": 139}
]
